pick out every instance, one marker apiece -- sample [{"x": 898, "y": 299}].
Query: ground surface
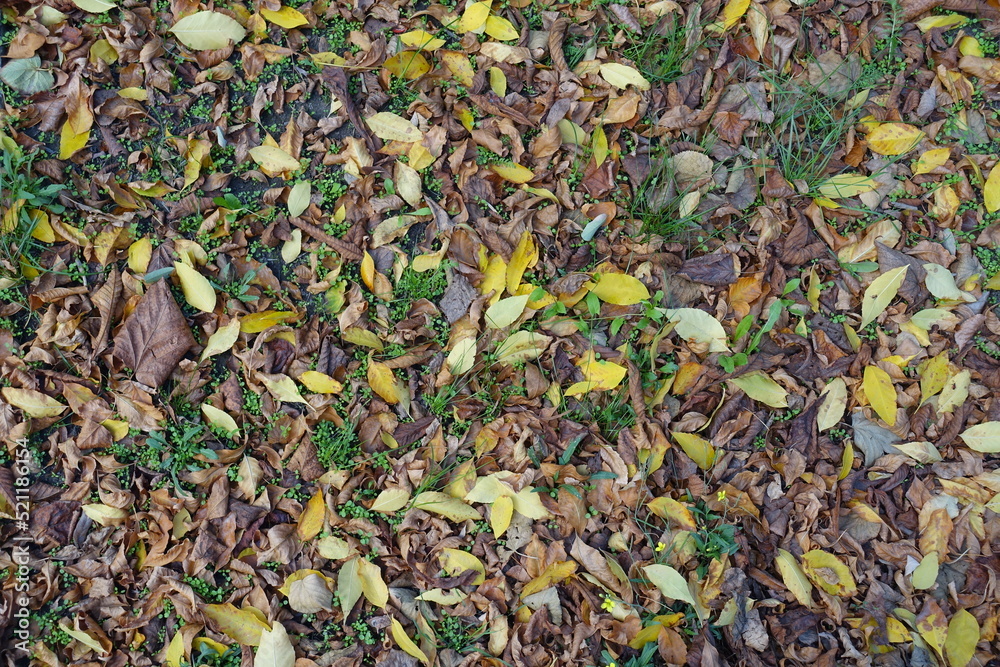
[{"x": 520, "y": 334}]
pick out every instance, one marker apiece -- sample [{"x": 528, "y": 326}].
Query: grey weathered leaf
[
  {"x": 26, "y": 76},
  {"x": 871, "y": 438}
]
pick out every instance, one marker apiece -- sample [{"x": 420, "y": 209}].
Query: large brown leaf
[{"x": 154, "y": 337}]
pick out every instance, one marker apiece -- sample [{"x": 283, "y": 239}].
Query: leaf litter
[{"x": 501, "y": 333}]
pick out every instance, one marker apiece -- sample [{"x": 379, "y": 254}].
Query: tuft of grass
[
  {"x": 25, "y": 197},
  {"x": 336, "y": 446}
]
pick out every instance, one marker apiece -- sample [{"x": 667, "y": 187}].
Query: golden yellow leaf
[
  {"x": 599, "y": 141},
  {"x": 443, "y": 504},
  {"x": 274, "y": 160},
  {"x": 622, "y": 76},
  {"x": 554, "y": 573},
  {"x": 407, "y": 644},
  {"x": 673, "y": 511},
  {"x": 222, "y": 340},
  {"x": 474, "y": 17},
  {"x": 374, "y": 589},
  {"x": 881, "y": 393},
  {"x": 760, "y": 387},
  {"x": 795, "y": 579},
  {"x": 494, "y": 278},
  {"x": 501, "y": 512},
  {"x": 930, "y": 160},
  {"x": 71, "y": 141},
  {"x": 522, "y": 346},
  {"x": 408, "y": 64},
  {"x": 392, "y": 127},
  {"x": 220, "y": 419},
  {"x": 286, "y": 17},
  {"x": 963, "y": 635},
  {"x": 880, "y": 294},
  {"x": 455, "y": 561},
  {"x": 955, "y": 391},
  {"x": 524, "y": 256},
  {"x": 282, "y": 388},
  {"x": 498, "y": 81},
  {"x": 360, "y": 336},
  {"x": 934, "y": 375},
  {"x": 391, "y": 500},
  {"x": 932, "y": 626},
  {"x": 970, "y": 46},
  {"x": 320, "y": 383},
  {"x": 383, "y": 382},
  {"x": 175, "y": 651},
  {"x": 983, "y": 437},
  {"x": 991, "y": 190},
  {"x": 32, "y": 403},
  {"x": 500, "y": 28},
  {"x": 598, "y": 375},
  {"x": 462, "y": 356},
  {"x": 943, "y": 21},
  {"x": 831, "y": 411},
  {"x": 244, "y": 626},
  {"x": 829, "y": 573},
  {"x": 312, "y": 518},
  {"x": 620, "y": 289},
  {"x": 422, "y": 40},
  {"x": 514, "y": 173},
  {"x": 697, "y": 448},
  {"x": 198, "y": 292},
  {"x": 257, "y": 322},
  {"x": 846, "y": 185},
  {"x": 105, "y": 514},
  {"x": 894, "y": 138}
]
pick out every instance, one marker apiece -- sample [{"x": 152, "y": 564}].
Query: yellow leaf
[
  {"x": 846, "y": 185},
  {"x": 622, "y": 76},
  {"x": 934, "y": 375},
  {"x": 829, "y": 573},
  {"x": 275, "y": 648},
  {"x": 33, "y": 403},
  {"x": 963, "y": 635},
  {"x": 928, "y": 23},
  {"x": 697, "y": 448},
  {"x": 926, "y": 573},
  {"x": 554, "y": 573},
  {"x": 244, "y": 626},
  {"x": 598, "y": 375},
  {"x": 983, "y": 437},
  {"x": 222, "y": 340},
  {"x": 360, "y": 336},
  {"x": 932, "y": 627},
  {"x": 257, "y": 322},
  {"x": 438, "y": 596},
  {"x": 407, "y": 644},
  {"x": 198, "y": 292},
  {"x": 274, "y": 160},
  {"x": 462, "y": 356},
  {"x": 673, "y": 511},
  {"x": 930, "y": 160},
  {"x": 83, "y": 638},
  {"x": 220, "y": 419},
  {"x": 846, "y": 461},
  {"x": 500, "y": 28},
  {"x": 760, "y": 387},
  {"x": 881, "y": 393},
  {"x": 455, "y": 561},
  {"x": 970, "y": 46},
  {"x": 880, "y": 294},
  {"x": 694, "y": 324},
  {"x": 501, "y": 512},
  {"x": 795, "y": 579},
  {"x": 70, "y": 142},
  {"x": 408, "y": 64},
  {"x": 572, "y": 133},
  {"x": 991, "y": 190},
  {"x": 391, "y": 127},
  {"x": 105, "y": 514},
  {"x": 894, "y": 138},
  {"x": 421, "y": 39},
  {"x": 207, "y": 31},
  {"x": 505, "y": 311},
  {"x": 620, "y": 289},
  {"x": 599, "y": 141},
  {"x": 320, "y": 383},
  {"x": 524, "y": 256},
  {"x": 333, "y": 548},
  {"x": 312, "y": 518},
  {"x": 391, "y": 500},
  {"x": 522, "y": 346},
  {"x": 383, "y": 382},
  {"x": 514, "y": 173},
  {"x": 831, "y": 411},
  {"x": 446, "y": 506},
  {"x": 119, "y": 429},
  {"x": 498, "y": 81},
  {"x": 175, "y": 651},
  {"x": 955, "y": 391},
  {"x": 139, "y": 94},
  {"x": 494, "y": 278},
  {"x": 282, "y": 388},
  {"x": 474, "y": 17},
  {"x": 372, "y": 586},
  {"x": 286, "y": 17},
  {"x": 670, "y": 582}
]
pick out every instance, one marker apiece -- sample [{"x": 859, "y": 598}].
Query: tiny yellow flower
[
  {"x": 608, "y": 604},
  {"x": 721, "y": 495},
  {"x": 660, "y": 546},
  {"x": 612, "y": 664}
]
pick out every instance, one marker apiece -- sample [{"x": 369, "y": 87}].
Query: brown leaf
[{"x": 155, "y": 337}]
